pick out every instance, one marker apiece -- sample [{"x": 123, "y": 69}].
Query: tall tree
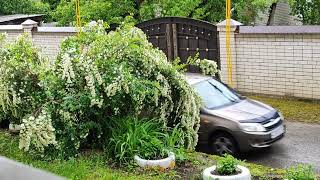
[
  {"x": 161, "y": 8},
  {"x": 209, "y": 10},
  {"x": 111, "y": 11},
  {"x": 23, "y": 6},
  {"x": 53, "y": 3}
]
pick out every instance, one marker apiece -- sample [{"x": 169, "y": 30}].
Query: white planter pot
[
  {"x": 14, "y": 127},
  {"x": 244, "y": 175},
  {"x": 167, "y": 163}
]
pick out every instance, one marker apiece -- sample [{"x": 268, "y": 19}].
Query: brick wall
[
  {"x": 11, "y": 35},
  {"x": 47, "y": 39},
  {"x": 49, "y": 42},
  {"x": 278, "y": 60}
]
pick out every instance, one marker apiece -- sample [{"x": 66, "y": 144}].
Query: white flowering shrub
[
  {"x": 20, "y": 91},
  {"x": 38, "y": 132},
  {"x": 99, "y": 76},
  {"x": 207, "y": 67}
]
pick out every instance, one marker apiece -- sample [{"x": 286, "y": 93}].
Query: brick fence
[
  {"x": 47, "y": 39},
  {"x": 275, "y": 60}
]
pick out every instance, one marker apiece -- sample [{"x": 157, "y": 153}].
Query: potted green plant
[
  {"x": 141, "y": 141},
  {"x": 165, "y": 148},
  {"x": 227, "y": 168},
  {"x": 165, "y": 163}
]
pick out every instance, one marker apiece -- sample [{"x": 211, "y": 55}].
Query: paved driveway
[{"x": 300, "y": 145}]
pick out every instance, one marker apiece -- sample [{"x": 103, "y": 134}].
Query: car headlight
[{"x": 252, "y": 127}]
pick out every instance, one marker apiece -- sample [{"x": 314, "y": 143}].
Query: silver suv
[{"x": 231, "y": 123}]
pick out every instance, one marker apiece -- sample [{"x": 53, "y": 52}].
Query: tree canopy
[
  {"x": 307, "y": 10},
  {"x": 23, "y": 6},
  {"x": 114, "y": 11},
  {"x": 111, "y": 11}
]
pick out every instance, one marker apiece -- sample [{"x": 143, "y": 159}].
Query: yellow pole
[
  {"x": 228, "y": 44},
  {"x": 78, "y": 16}
]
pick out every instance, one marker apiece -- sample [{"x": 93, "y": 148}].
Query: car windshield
[{"x": 215, "y": 94}]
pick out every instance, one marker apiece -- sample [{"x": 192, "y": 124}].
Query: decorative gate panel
[{"x": 183, "y": 37}]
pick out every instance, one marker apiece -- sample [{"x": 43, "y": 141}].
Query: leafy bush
[
  {"x": 207, "y": 67},
  {"x": 21, "y": 93},
  {"x": 227, "y": 165},
  {"x": 100, "y": 76},
  {"x": 130, "y": 136},
  {"x": 41, "y": 134},
  {"x": 301, "y": 172}
]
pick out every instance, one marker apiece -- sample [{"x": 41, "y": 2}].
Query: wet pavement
[{"x": 300, "y": 145}]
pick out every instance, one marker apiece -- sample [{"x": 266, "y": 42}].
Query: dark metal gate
[{"x": 183, "y": 37}]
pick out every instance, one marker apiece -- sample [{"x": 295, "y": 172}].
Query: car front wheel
[{"x": 222, "y": 144}]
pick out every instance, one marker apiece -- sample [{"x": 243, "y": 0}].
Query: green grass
[
  {"x": 293, "y": 109},
  {"x": 94, "y": 165},
  {"x": 89, "y": 166}
]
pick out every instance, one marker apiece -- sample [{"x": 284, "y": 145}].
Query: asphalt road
[{"x": 300, "y": 145}]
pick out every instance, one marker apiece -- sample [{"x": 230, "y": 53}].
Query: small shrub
[
  {"x": 207, "y": 67},
  {"x": 20, "y": 91},
  {"x": 42, "y": 134},
  {"x": 227, "y": 165},
  {"x": 300, "y": 172}
]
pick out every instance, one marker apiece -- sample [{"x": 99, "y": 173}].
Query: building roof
[{"x": 5, "y": 18}]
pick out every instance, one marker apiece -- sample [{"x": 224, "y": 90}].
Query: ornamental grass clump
[{"x": 130, "y": 137}]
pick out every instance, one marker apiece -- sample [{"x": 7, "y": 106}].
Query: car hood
[{"x": 245, "y": 111}]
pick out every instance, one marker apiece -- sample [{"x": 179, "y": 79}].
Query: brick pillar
[
  {"x": 223, "y": 55},
  {"x": 28, "y": 25}
]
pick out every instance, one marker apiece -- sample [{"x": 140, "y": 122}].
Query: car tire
[{"x": 223, "y": 143}]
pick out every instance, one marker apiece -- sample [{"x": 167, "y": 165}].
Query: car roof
[{"x": 194, "y": 78}]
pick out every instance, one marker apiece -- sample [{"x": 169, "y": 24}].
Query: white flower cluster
[
  {"x": 208, "y": 67},
  {"x": 117, "y": 85},
  {"x": 38, "y": 132},
  {"x": 3, "y": 36},
  {"x": 68, "y": 73},
  {"x": 92, "y": 78}
]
